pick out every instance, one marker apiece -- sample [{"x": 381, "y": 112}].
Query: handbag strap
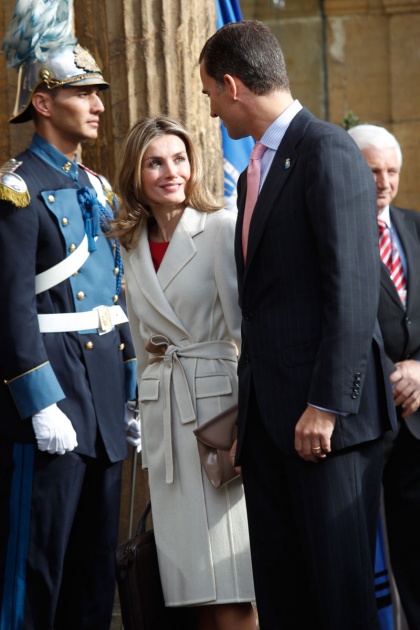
[{"x": 141, "y": 527}]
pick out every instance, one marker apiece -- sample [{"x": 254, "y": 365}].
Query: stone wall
[{"x": 355, "y": 55}]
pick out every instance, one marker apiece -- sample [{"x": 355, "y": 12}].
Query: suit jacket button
[{"x": 89, "y": 345}]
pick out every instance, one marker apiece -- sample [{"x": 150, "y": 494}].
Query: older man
[{"x": 399, "y": 318}]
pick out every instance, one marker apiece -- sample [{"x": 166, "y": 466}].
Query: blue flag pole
[{"x": 236, "y": 153}]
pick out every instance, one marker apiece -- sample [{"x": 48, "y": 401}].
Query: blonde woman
[{"x": 185, "y": 321}]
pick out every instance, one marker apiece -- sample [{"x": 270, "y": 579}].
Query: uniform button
[
  {"x": 51, "y": 198},
  {"x": 121, "y": 346},
  {"x": 89, "y": 345},
  {"x": 64, "y": 221},
  {"x": 80, "y": 295},
  {"x": 72, "y": 247},
  {"x": 116, "y": 271},
  {"x": 75, "y": 273},
  {"x": 246, "y": 358},
  {"x": 115, "y": 299}
]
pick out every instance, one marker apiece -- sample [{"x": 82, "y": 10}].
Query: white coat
[{"x": 201, "y": 533}]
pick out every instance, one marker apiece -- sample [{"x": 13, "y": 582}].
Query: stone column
[{"x": 149, "y": 51}]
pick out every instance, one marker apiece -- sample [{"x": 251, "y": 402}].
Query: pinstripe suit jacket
[
  {"x": 309, "y": 290},
  {"x": 401, "y": 328}
]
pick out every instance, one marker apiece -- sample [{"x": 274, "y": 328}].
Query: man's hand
[
  {"x": 313, "y": 434},
  {"x": 53, "y": 430},
  {"x": 132, "y": 425},
  {"x": 406, "y": 386}
]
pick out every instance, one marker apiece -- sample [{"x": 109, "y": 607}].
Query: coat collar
[{"x": 139, "y": 266}]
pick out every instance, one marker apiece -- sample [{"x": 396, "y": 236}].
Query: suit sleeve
[{"x": 341, "y": 199}]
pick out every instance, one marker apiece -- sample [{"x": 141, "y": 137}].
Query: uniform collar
[{"x": 53, "y": 157}]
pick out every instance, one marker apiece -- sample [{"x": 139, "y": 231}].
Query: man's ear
[
  {"x": 42, "y": 103},
  {"x": 231, "y": 85}
]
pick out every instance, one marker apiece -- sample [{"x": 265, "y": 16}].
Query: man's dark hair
[{"x": 249, "y": 51}]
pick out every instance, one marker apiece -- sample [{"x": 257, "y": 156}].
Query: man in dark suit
[
  {"x": 314, "y": 394},
  {"x": 399, "y": 318}
]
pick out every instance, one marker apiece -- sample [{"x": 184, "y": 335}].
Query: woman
[{"x": 182, "y": 301}]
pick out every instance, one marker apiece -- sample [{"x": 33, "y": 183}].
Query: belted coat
[{"x": 201, "y": 533}]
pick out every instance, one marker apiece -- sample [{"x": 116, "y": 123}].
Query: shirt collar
[
  {"x": 54, "y": 157},
  {"x": 385, "y": 216},
  {"x": 275, "y": 133}
]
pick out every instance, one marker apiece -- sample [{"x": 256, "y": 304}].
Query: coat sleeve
[{"x": 226, "y": 279}]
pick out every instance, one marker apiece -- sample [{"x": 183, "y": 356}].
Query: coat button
[
  {"x": 72, "y": 247},
  {"x": 51, "y": 198},
  {"x": 121, "y": 346},
  {"x": 116, "y": 271},
  {"x": 89, "y": 345},
  {"x": 64, "y": 221},
  {"x": 115, "y": 299},
  {"x": 80, "y": 295}
]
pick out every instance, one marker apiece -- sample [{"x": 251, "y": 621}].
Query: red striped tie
[
  {"x": 391, "y": 258},
  {"x": 253, "y": 185}
]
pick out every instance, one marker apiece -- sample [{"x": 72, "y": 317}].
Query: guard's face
[
  {"x": 165, "y": 172},
  {"x": 74, "y": 113},
  {"x": 386, "y": 171}
]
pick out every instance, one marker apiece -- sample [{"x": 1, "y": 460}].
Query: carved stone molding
[
  {"x": 401, "y": 6},
  {"x": 346, "y": 7}
]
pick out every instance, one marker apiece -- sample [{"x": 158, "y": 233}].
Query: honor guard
[{"x": 67, "y": 361}]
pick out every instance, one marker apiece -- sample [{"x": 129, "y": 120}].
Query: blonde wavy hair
[{"x": 133, "y": 212}]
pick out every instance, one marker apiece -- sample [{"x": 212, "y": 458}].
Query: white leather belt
[
  {"x": 102, "y": 318},
  {"x": 64, "y": 269}
]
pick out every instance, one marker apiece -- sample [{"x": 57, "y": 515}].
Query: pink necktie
[
  {"x": 253, "y": 184},
  {"x": 391, "y": 259}
]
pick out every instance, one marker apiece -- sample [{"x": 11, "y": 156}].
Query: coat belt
[{"x": 172, "y": 371}]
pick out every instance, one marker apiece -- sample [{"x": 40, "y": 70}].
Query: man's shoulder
[
  {"x": 405, "y": 213},
  {"x": 13, "y": 187}
]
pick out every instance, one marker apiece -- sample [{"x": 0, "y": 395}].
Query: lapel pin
[{"x": 287, "y": 164}]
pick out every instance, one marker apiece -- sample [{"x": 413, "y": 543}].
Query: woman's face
[{"x": 165, "y": 172}]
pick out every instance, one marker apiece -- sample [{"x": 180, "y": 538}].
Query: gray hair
[{"x": 374, "y": 137}]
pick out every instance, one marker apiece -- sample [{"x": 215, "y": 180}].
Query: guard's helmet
[{"x": 70, "y": 65}]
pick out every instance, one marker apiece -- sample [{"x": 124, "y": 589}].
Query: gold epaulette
[
  {"x": 12, "y": 187},
  {"x": 111, "y": 197}
]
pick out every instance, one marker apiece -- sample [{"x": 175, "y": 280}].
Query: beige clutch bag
[{"x": 214, "y": 441}]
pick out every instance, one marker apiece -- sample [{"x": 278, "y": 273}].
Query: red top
[{"x": 158, "y": 251}]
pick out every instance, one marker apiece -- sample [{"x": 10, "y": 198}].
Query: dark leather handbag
[
  {"x": 214, "y": 441},
  {"x": 139, "y": 587}
]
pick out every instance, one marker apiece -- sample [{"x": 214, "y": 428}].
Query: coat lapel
[
  {"x": 182, "y": 248},
  {"x": 140, "y": 270}
]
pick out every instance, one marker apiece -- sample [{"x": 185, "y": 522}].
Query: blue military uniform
[{"x": 47, "y": 210}]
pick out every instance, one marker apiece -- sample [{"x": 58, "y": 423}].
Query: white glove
[
  {"x": 132, "y": 425},
  {"x": 53, "y": 431}
]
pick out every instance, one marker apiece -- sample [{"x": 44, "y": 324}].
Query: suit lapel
[
  {"x": 280, "y": 171},
  {"x": 407, "y": 234}
]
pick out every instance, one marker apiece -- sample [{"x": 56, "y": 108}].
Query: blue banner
[{"x": 235, "y": 152}]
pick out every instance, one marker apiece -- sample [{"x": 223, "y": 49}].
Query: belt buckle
[{"x": 104, "y": 320}]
